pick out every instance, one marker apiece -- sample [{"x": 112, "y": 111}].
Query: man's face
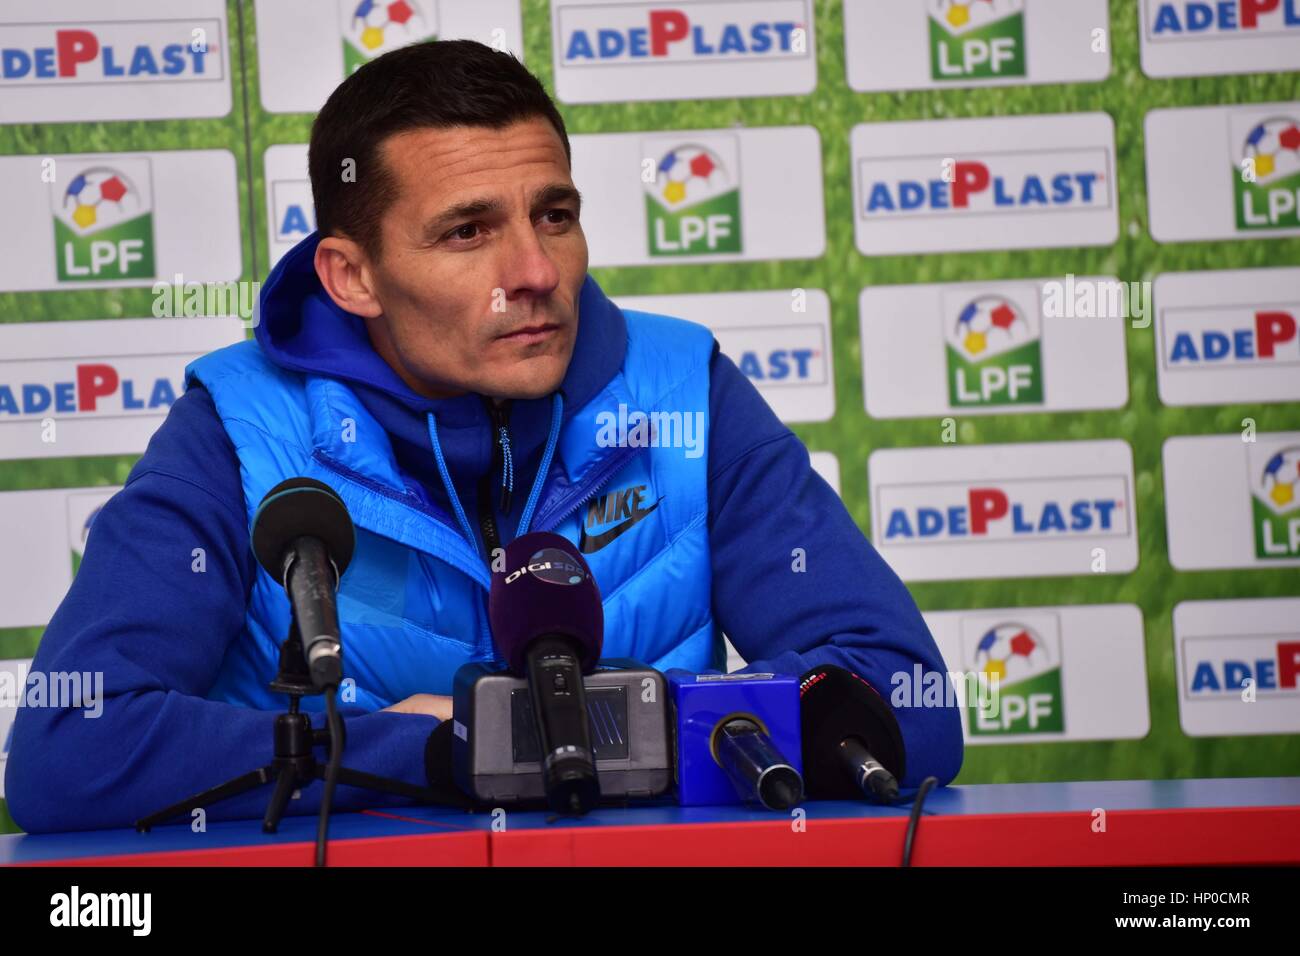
[{"x": 482, "y": 258}]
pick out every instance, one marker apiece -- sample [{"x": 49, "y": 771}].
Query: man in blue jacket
[{"x": 438, "y": 355}]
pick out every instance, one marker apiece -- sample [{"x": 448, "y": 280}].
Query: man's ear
[{"x": 344, "y": 270}]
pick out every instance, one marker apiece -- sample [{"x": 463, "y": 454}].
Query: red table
[{"x": 1162, "y": 822}]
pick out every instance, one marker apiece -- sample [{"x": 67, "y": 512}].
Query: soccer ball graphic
[
  {"x": 959, "y": 14},
  {"x": 1281, "y": 479},
  {"x": 688, "y": 174},
  {"x": 990, "y": 324},
  {"x": 1010, "y": 652},
  {"x": 99, "y": 194},
  {"x": 371, "y": 19},
  {"x": 1273, "y": 146}
]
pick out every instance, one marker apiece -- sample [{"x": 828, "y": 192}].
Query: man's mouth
[{"x": 531, "y": 333}]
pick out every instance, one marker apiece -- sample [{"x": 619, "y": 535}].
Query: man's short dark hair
[{"x": 437, "y": 84}]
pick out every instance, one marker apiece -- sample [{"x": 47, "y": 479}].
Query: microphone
[
  {"x": 548, "y": 625},
  {"x": 737, "y": 739},
  {"x": 852, "y": 745},
  {"x": 756, "y": 767},
  {"x": 302, "y": 535}
]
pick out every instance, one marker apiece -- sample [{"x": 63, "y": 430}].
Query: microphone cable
[
  {"x": 331, "y": 771},
  {"x": 926, "y": 786}
]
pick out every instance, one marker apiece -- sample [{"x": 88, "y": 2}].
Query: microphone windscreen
[
  {"x": 546, "y": 588},
  {"x": 296, "y": 507},
  {"x": 834, "y": 704}
]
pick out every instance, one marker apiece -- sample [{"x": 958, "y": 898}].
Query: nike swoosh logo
[{"x": 591, "y": 544}]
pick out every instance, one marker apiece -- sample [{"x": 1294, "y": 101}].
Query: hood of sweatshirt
[{"x": 303, "y": 330}]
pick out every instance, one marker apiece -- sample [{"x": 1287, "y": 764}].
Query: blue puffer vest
[{"x": 413, "y": 602}]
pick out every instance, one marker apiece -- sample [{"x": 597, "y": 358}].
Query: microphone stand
[{"x": 294, "y": 765}]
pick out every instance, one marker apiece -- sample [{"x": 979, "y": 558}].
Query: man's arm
[
  {"x": 158, "y": 631},
  {"x": 847, "y": 607}
]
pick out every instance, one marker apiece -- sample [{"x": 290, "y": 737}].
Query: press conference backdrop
[{"x": 1024, "y": 275}]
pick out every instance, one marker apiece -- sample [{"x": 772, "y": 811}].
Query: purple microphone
[{"x": 548, "y": 625}]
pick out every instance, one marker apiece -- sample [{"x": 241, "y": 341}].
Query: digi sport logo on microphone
[{"x": 552, "y": 566}]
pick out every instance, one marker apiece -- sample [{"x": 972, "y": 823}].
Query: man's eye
[
  {"x": 459, "y": 231},
  {"x": 564, "y": 215}
]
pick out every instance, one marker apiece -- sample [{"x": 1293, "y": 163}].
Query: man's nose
[{"x": 528, "y": 268}]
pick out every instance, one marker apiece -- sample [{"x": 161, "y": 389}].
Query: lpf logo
[
  {"x": 372, "y": 28},
  {"x": 83, "y": 509},
  {"x": 1024, "y": 662},
  {"x": 994, "y": 348},
  {"x": 1275, "y": 499},
  {"x": 1266, "y": 175},
  {"x": 103, "y": 220},
  {"x": 693, "y": 200},
  {"x": 976, "y": 39}
]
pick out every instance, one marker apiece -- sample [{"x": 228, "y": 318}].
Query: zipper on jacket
[
  {"x": 503, "y": 459},
  {"x": 487, "y": 521},
  {"x": 502, "y": 454}
]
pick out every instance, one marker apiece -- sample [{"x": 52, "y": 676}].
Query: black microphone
[
  {"x": 548, "y": 625},
  {"x": 302, "y": 535},
  {"x": 852, "y": 745},
  {"x": 869, "y": 773}
]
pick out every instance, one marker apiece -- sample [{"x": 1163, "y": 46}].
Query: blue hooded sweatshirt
[{"x": 158, "y": 631}]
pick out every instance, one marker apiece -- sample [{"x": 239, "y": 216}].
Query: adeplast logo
[
  {"x": 693, "y": 200},
  {"x": 1191, "y": 19},
  {"x": 103, "y": 219},
  {"x": 1010, "y": 510},
  {"x": 976, "y": 39},
  {"x": 43, "y": 54},
  {"x": 1259, "y": 337},
  {"x": 88, "y": 388},
  {"x": 1224, "y": 667},
  {"x": 1275, "y": 500},
  {"x": 994, "y": 352},
  {"x": 1024, "y": 664},
  {"x": 701, "y": 32},
  {"x": 1007, "y": 182},
  {"x": 1004, "y": 511},
  {"x": 1266, "y": 176},
  {"x": 1023, "y": 181},
  {"x": 371, "y": 28},
  {"x": 292, "y": 211},
  {"x": 784, "y": 366}
]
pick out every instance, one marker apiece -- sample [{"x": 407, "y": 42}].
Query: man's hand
[{"x": 430, "y": 704}]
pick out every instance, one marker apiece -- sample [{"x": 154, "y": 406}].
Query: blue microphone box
[{"x": 703, "y": 703}]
